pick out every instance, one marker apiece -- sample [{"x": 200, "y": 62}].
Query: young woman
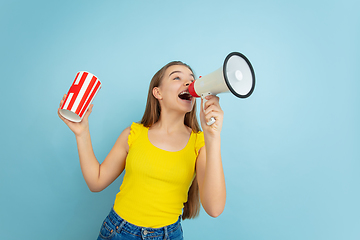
[{"x": 169, "y": 163}]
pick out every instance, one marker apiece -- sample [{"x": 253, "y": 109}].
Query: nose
[{"x": 187, "y": 83}]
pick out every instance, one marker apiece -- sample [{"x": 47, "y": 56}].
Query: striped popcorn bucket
[{"x": 81, "y": 94}]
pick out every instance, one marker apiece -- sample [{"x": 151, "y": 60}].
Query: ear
[{"x": 156, "y": 93}]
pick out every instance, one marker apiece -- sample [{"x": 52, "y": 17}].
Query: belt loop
[
  {"x": 166, "y": 233},
  {"x": 118, "y": 229}
]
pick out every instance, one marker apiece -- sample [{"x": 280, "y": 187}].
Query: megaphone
[{"x": 236, "y": 76}]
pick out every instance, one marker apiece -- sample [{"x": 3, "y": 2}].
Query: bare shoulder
[
  {"x": 122, "y": 140},
  {"x": 126, "y": 131}
]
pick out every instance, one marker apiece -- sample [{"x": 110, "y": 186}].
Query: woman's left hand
[{"x": 212, "y": 109}]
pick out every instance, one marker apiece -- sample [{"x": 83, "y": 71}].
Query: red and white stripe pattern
[{"x": 81, "y": 93}]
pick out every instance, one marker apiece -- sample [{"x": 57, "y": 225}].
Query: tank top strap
[
  {"x": 199, "y": 142},
  {"x": 135, "y": 131}
]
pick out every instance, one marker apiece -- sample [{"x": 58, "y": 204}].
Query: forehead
[{"x": 180, "y": 69}]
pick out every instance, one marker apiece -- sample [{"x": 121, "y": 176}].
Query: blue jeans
[{"x": 114, "y": 228}]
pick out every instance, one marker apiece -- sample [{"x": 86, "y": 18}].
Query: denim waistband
[{"x": 144, "y": 232}]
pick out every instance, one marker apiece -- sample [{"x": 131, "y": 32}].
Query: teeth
[
  {"x": 184, "y": 92},
  {"x": 185, "y": 95}
]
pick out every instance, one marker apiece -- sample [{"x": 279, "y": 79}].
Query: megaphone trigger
[{"x": 203, "y": 97}]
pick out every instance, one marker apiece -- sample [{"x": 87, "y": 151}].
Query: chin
[
  {"x": 187, "y": 106},
  {"x": 190, "y": 108}
]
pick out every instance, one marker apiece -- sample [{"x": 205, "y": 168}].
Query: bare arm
[
  {"x": 209, "y": 169},
  {"x": 98, "y": 176}
]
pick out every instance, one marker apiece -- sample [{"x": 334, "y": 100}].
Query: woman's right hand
[{"x": 78, "y": 128}]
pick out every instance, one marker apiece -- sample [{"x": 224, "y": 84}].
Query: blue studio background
[{"x": 290, "y": 152}]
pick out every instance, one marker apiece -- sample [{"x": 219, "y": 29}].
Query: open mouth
[{"x": 185, "y": 95}]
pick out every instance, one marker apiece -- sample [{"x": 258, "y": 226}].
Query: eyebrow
[{"x": 180, "y": 72}]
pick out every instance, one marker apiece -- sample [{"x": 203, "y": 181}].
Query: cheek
[{"x": 169, "y": 89}]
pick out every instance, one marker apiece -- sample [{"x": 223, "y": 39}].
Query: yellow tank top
[{"x": 156, "y": 182}]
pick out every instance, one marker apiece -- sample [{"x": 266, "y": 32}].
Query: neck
[{"x": 170, "y": 122}]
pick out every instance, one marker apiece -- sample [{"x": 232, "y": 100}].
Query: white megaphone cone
[{"x": 236, "y": 76}]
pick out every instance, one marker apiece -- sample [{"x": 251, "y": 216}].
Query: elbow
[
  {"x": 215, "y": 212},
  {"x": 214, "y": 207},
  {"x": 95, "y": 189}
]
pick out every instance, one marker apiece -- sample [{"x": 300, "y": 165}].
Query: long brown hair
[{"x": 152, "y": 115}]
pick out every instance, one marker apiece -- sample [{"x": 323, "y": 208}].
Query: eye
[{"x": 177, "y": 78}]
